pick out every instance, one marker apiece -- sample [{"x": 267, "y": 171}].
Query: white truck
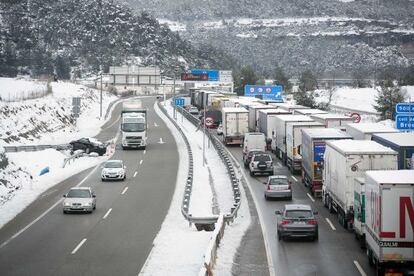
[
  {"x": 254, "y": 140},
  {"x": 331, "y": 120},
  {"x": 345, "y": 160},
  {"x": 266, "y": 121},
  {"x": 133, "y": 125},
  {"x": 235, "y": 124},
  {"x": 364, "y": 131},
  {"x": 294, "y": 143},
  {"x": 389, "y": 221},
  {"x": 279, "y": 133},
  {"x": 254, "y": 115}
]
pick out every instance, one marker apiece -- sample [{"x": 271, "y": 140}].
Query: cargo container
[
  {"x": 333, "y": 120},
  {"x": 389, "y": 220},
  {"x": 235, "y": 124},
  {"x": 265, "y": 121},
  {"x": 289, "y": 107},
  {"x": 364, "y": 131},
  {"x": 279, "y": 133},
  {"x": 313, "y": 149},
  {"x": 294, "y": 143},
  {"x": 401, "y": 142},
  {"x": 254, "y": 114},
  {"x": 345, "y": 160},
  {"x": 308, "y": 112}
]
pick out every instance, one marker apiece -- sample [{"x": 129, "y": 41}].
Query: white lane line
[
  {"x": 330, "y": 224},
  {"x": 107, "y": 213},
  {"x": 359, "y": 267},
  {"x": 140, "y": 162},
  {"x": 155, "y": 124},
  {"x": 311, "y": 198},
  {"x": 117, "y": 119},
  {"x": 79, "y": 246},
  {"x": 135, "y": 174},
  {"x": 124, "y": 190},
  {"x": 145, "y": 151},
  {"x": 294, "y": 178},
  {"x": 45, "y": 212},
  {"x": 161, "y": 141}
]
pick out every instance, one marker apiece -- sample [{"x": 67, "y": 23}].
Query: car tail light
[
  {"x": 290, "y": 186},
  {"x": 268, "y": 187},
  {"x": 313, "y": 221},
  {"x": 391, "y": 272},
  {"x": 285, "y": 221}
]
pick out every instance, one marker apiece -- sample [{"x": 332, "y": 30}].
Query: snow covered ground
[
  {"x": 13, "y": 89},
  {"x": 175, "y": 235},
  {"x": 47, "y": 120}
]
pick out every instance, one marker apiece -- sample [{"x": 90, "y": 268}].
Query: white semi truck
[
  {"x": 235, "y": 124},
  {"x": 389, "y": 221},
  {"x": 134, "y": 125},
  {"x": 345, "y": 160}
]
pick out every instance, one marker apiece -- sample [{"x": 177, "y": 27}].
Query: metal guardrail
[
  {"x": 205, "y": 222},
  {"x": 72, "y": 158},
  {"x": 35, "y": 148}
]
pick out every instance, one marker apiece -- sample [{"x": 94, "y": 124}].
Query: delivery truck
[
  {"x": 254, "y": 114},
  {"x": 279, "y": 133},
  {"x": 344, "y": 161},
  {"x": 401, "y": 142},
  {"x": 313, "y": 149},
  {"x": 294, "y": 143},
  {"x": 235, "y": 125},
  {"x": 333, "y": 120},
  {"x": 266, "y": 122},
  {"x": 389, "y": 221},
  {"x": 133, "y": 125},
  {"x": 364, "y": 131}
]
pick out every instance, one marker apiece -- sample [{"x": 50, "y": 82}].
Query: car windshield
[
  {"x": 113, "y": 165},
  {"x": 133, "y": 127},
  {"x": 278, "y": 181},
  {"x": 79, "y": 194},
  {"x": 251, "y": 153},
  {"x": 298, "y": 214},
  {"x": 262, "y": 158}
]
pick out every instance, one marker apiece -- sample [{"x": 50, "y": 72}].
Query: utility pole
[
  {"x": 204, "y": 131},
  {"x": 175, "y": 111},
  {"x": 100, "y": 113}
]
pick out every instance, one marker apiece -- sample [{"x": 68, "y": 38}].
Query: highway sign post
[
  {"x": 404, "y": 108},
  {"x": 76, "y": 104},
  {"x": 265, "y": 92},
  {"x": 179, "y": 102},
  {"x": 212, "y": 75},
  {"x": 404, "y": 119},
  {"x": 209, "y": 121}
]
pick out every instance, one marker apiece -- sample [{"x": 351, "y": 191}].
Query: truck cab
[{"x": 134, "y": 125}]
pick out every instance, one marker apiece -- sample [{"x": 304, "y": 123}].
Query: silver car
[
  {"x": 79, "y": 199},
  {"x": 297, "y": 221},
  {"x": 261, "y": 163},
  {"x": 113, "y": 170},
  {"x": 278, "y": 186}
]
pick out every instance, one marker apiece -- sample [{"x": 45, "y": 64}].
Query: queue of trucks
[{"x": 362, "y": 171}]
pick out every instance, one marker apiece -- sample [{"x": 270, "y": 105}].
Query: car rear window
[
  {"x": 79, "y": 194},
  {"x": 262, "y": 158},
  {"x": 113, "y": 165},
  {"x": 278, "y": 181},
  {"x": 298, "y": 214}
]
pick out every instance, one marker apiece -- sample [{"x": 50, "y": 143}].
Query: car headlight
[
  {"x": 66, "y": 204},
  {"x": 88, "y": 204}
]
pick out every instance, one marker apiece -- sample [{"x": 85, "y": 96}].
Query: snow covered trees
[{"x": 307, "y": 84}]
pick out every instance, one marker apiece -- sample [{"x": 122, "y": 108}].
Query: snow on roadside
[
  {"x": 29, "y": 184},
  {"x": 13, "y": 89}
]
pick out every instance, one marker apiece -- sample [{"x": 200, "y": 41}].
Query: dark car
[
  {"x": 297, "y": 221},
  {"x": 88, "y": 145},
  {"x": 248, "y": 156}
]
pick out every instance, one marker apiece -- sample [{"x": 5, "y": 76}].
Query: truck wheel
[
  {"x": 279, "y": 237},
  {"x": 370, "y": 258},
  {"x": 330, "y": 208},
  {"x": 251, "y": 173}
]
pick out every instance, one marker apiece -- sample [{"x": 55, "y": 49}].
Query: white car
[
  {"x": 220, "y": 129},
  {"x": 193, "y": 110},
  {"x": 79, "y": 199},
  {"x": 113, "y": 170}
]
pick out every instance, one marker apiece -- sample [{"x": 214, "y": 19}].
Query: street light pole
[
  {"x": 204, "y": 131},
  {"x": 100, "y": 113}
]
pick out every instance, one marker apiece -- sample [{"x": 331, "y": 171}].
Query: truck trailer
[
  {"x": 313, "y": 149},
  {"x": 364, "y": 131},
  {"x": 235, "y": 124},
  {"x": 401, "y": 142},
  {"x": 344, "y": 161},
  {"x": 333, "y": 120},
  {"x": 390, "y": 221},
  {"x": 133, "y": 124}
]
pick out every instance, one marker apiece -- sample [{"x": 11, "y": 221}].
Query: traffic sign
[
  {"x": 212, "y": 75},
  {"x": 225, "y": 76},
  {"x": 356, "y": 116},
  {"x": 76, "y": 101},
  {"x": 179, "y": 101},
  {"x": 266, "y": 92},
  {"x": 76, "y": 109},
  {"x": 209, "y": 121},
  {"x": 194, "y": 77},
  {"x": 404, "y": 121},
  {"x": 404, "y": 108}
]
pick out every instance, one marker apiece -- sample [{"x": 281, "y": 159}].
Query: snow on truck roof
[
  {"x": 294, "y": 118},
  {"x": 371, "y": 127},
  {"x": 392, "y": 176},
  {"x": 234, "y": 109},
  {"x": 402, "y": 139},
  {"x": 332, "y": 116},
  {"x": 326, "y": 133},
  {"x": 346, "y": 146}
]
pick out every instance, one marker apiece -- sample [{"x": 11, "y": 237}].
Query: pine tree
[
  {"x": 387, "y": 99},
  {"x": 307, "y": 84},
  {"x": 281, "y": 79},
  {"x": 244, "y": 77}
]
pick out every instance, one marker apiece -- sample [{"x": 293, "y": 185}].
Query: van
[{"x": 254, "y": 140}]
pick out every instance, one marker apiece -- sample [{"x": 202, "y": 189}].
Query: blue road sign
[
  {"x": 404, "y": 108},
  {"x": 213, "y": 75},
  {"x": 266, "y": 92},
  {"x": 404, "y": 121},
  {"x": 179, "y": 101}
]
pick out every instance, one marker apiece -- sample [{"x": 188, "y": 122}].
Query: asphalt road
[
  {"x": 115, "y": 239},
  {"x": 336, "y": 253}
]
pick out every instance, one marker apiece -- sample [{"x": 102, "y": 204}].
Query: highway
[
  {"x": 336, "y": 253},
  {"x": 115, "y": 239}
]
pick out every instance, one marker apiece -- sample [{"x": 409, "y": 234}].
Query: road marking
[
  {"x": 330, "y": 224},
  {"x": 361, "y": 271},
  {"x": 145, "y": 151},
  {"x": 79, "y": 246},
  {"x": 124, "y": 191},
  {"x": 294, "y": 178},
  {"x": 161, "y": 141},
  {"x": 135, "y": 174},
  {"x": 140, "y": 162},
  {"x": 155, "y": 124},
  {"x": 107, "y": 213},
  {"x": 45, "y": 212},
  {"x": 311, "y": 198}
]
